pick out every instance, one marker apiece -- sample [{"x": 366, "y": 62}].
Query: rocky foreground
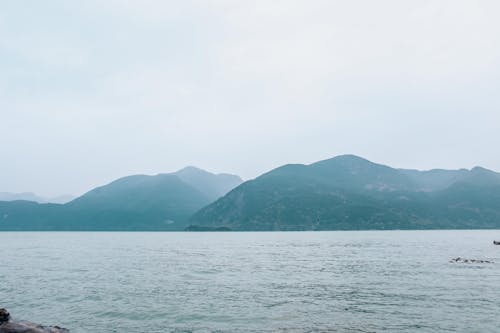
[{"x": 13, "y": 326}]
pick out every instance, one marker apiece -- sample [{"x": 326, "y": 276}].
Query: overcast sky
[{"x": 93, "y": 90}]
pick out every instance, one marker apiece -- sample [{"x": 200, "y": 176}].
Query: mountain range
[
  {"x": 139, "y": 202},
  {"x": 346, "y": 192},
  {"x": 351, "y": 193}
]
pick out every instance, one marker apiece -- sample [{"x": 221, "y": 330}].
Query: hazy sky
[{"x": 92, "y": 90}]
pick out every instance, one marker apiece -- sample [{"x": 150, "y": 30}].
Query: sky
[{"x": 94, "y": 90}]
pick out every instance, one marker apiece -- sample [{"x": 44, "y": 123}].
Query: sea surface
[{"x": 376, "y": 281}]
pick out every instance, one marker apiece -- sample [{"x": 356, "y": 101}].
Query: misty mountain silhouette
[
  {"x": 342, "y": 193},
  {"x": 29, "y": 196},
  {"x": 139, "y": 202}
]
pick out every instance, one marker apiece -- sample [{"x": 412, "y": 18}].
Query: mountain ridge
[
  {"x": 136, "y": 202},
  {"x": 348, "y": 192},
  {"x": 345, "y": 192}
]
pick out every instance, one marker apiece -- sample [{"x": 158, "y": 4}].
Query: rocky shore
[{"x": 7, "y": 325}]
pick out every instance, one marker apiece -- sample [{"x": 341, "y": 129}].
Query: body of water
[{"x": 380, "y": 281}]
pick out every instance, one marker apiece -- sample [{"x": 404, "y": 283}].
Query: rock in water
[
  {"x": 468, "y": 261},
  {"x": 27, "y": 327},
  {"x": 4, "y": 316},
  {"x": 12, "y": 326}
]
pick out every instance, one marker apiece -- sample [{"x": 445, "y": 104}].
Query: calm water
[{"x": 394, "y": 281}]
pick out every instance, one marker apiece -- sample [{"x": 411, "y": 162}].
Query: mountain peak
[
  {"x": 191, "y": 169},
  {"x": 213, "y": 185},
  {"x": 480, "y": 169},
  {"x": 346, "y": 160},
  {"x": 350, "y": 157}
]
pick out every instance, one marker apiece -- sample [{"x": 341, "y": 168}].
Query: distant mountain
[
  {"x": 29, "y": 196},
  {"x": 212, "y": 185},
  {"x": 351, "y": 193},
  {"x": 140, "y": 202}
]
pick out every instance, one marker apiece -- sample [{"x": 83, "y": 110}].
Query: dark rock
[
  {"x": 12, "y": 326},
  {"x": 4, "y": 315},
  {"x": 27, "y": 327},
  {"x": 496, "y": 242}
]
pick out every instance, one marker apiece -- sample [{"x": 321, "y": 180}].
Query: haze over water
[{"x": 380, "y": 281}]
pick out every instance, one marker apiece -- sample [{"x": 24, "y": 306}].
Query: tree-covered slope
[
  {"x": 28, "y": 215},
  {"x": 351, "y": 193},
  {"x": 140, "y": 202},
  {"x": 161, "y": 202}
]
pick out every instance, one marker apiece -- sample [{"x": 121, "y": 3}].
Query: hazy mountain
[
  {"x": 439, "y": 179},
  {"x": 212, "y": 185},
  {"x": 343, "y": 193},
  {"x": 140, "y": 202},
  {"x": 29, "y": 196},
  {"x": 348, "y": 192}
]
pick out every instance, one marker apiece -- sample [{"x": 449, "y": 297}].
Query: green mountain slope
[
  {"x": 161, "y": 202},
  {"x": 27, "y": 215},
  {"x": 351, "y": 193}
]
